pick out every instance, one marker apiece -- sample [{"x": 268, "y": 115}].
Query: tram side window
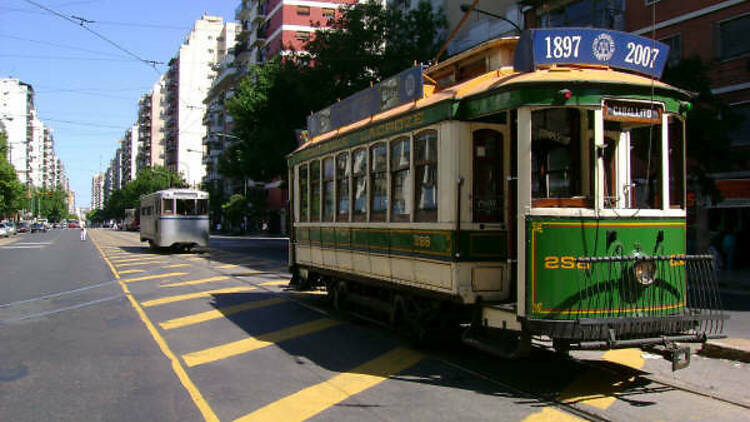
[
  {"x": 556, "y": 158},
  {"x": 676, "y": 164},
  {"x": 400, "y": 179},
  {"x": 342, "y": 186},
  {"x": 379, "y": 183},
  {"x": 167, "y": 206},
  {"x": 359, "y": 179},
  {"x": 425, "y": 170},
  {"x": 315, "y": 191},
  {"x": 328, "y": 185},
  {"x": 488, "y": 176},
  {"x": 201, "y": 206},
  {"x": 303, "y": 193}
]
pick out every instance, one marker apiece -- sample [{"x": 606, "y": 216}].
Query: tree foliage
[
  {"x": 147, "y": 181},
  {"x": 365, "y": 44},
  {"x": 11, "y": 190}
]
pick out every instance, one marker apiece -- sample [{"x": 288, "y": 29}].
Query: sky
[{"x": 87, "y": 89}]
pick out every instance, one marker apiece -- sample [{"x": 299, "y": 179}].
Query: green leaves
[
  {"x": 147, "y": 181},
  {"x": 11, "y": 190}
]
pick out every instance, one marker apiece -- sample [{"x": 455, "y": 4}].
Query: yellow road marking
[
  {"x": 203, "y": 406},
  {"x": 176, "y": 266},
  {"x": 550, "y": 414},
  {"x": 131, "y": 271},
  {"x": 197, "y": 295},
  {"x": 152, "y": 277},
  {"x": 195, "y": 258},
  {"x": 275, "y": 283},
  {"x": 227, "y": 266},
  {"x": 310, "y": 401},
  {"x": 133, "y": 264},
  {"x": 121, "y": 261},
  {"x": 194, "y": 282},
  {"x": 239, "y": 347},
  {"x": 218, "y": 313}
]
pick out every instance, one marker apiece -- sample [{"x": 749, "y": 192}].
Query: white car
[{"x": 4, "y": 230}]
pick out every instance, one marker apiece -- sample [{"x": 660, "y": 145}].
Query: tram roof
[
  {"x": 179, "y": 193},
  {"x": 504, "y": 78}
]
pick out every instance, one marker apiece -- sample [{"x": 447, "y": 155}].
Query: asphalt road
[{"x": 111, "y": 331}]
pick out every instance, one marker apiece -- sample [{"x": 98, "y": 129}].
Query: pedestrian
[{"x": 83, "y": 232}]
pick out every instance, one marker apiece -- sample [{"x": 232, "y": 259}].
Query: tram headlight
[{"x": 645, "y": 272}]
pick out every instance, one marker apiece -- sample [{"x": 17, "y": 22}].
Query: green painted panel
[
  {"x": 327, "y": 237},
  {"x": 558, "y": 288},
  {"x": 484, "y": 245},
  {"x": 343, "y": 237}
]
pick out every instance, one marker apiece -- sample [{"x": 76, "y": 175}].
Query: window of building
[
  {"x": 315, "y": 191},
  {"x": 303, "y": 10},
  {"x": 302, "y": 35},
  {"x": 328, "y": 186},
  {"x": 401, "y": 194},
  {"x": 488, "y": 176},
  {"x": 732, "y": 33},
  {"x": 359, "y": 184},
  {"x": 556, "y": 168},
  {"x": 379, "y": 182},
  {"x": 425, "y": 171},
  {"x": 741, "y": 135},
  {"x": 329, "y": 13},
  {"x": 675, "y": 49},
  {"x": 342, "y": 186},
  {"x": 303, "y": 194}
]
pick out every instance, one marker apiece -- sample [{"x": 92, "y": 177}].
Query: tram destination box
[{"x": 546, "y": 47}]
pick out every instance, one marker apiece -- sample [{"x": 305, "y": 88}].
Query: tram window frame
[
  {"x": 676, "y": 148},
  {"x": 401, "y": 192},
  {"x": 343, "y": 186},
  {"x": 653, "y": 192},
  {"x": 315, "y": 186},
  {"x": 328, "y": 188},
  {"x": 425, "y": 165},
  {"x": 546, "y": 144},
  {"x": 304, "y": 193},
  {"x": 378, "y": 181},
  {"x": 201, "y": 206},
  {"x": 167, "y": 210},
  {"x": 360, "y": 175},
  {"x": 185, "y": 206},
  {"x": 481, "y": 162}
]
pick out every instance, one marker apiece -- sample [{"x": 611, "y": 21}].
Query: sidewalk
[{"x": 734, "y": 287}]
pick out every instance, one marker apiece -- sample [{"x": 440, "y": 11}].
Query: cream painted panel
[
  {"x": 329, "y": 257},
  {"x": 361, "y": 263},
  {"x": 344, "y": 260},
  {"x": 380, "y": 266},
  {"x": 402, "y": 269},
  {"x": 303, "y": 254},
  {"x": 316, "y": 255},
  {"x": 434, "y": 274}
]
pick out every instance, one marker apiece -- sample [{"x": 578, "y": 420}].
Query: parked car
[
  {"x": 11, "y": 228},
  {"x": 38, "y": 227},
  {"x": 22, "y": 228},
  {"x": 3, "y": 230},
  {"x": 74, "y": 225}
]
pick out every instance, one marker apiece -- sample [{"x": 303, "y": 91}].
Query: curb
[{"x": 728, "y": 348}]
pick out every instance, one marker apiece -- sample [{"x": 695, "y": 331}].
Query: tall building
[
  {"x": 129, "y": 148},
  {"x": 16, "y": 105},
  {"x": 151, "y": 122},
  {"x": 187, "y": 83},
  {"x": 49, "y": 160},
  {"x": 97, "y": 191},
  {"x": 35, "y": 152}
]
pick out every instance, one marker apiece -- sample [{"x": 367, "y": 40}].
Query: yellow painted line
[
  {"x": 131, "y": 271},
  {"x": 550, "y": 414},
  {"x": 133, "y": 264},
  {"x": 310, "y": 401},
  {"x": 201, "y": 403},
  {"x": 195, "y": 258},
  {"x": 218, "y": 313},
  {"x": 239, "y": 347},
  {"x": 176, "y": 266},
  {"x": 221, "y": 267},
  {"x": 197, "y": 295},
  {"x": 194, "y": 282},
  {"x": 153, "y": 258},
  {"x": 152, "y": 277},
  {"x": 275, "y": 283}
]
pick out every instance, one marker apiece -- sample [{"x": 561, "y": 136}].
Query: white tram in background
[
  {"x": 175, "y": 218},
  {"x": 537, "y": 183}
]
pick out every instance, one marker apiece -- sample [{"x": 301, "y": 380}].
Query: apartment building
[
  {"x": 97, "y": 191},
  {"x": 151, "y": 122},
  {"x": 188, "y": 81},
  {"x": 129, "y": 150},
  {"x": 16, "y": 104}
]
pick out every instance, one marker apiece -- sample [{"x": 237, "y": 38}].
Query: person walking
[{"x": 83, "y": 232}]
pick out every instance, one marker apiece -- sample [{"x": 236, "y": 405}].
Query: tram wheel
[{"x": 407, "y": 320}]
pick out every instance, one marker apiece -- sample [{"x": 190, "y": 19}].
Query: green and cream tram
[{"x": 536, "y": 185}]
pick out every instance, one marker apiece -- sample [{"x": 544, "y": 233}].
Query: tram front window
[{"x": 556, "y": 170}]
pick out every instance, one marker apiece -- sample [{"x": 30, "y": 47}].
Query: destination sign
[
  {"x": 400, "y": 89},
  {"x": 543, "y": 47},
  {"x": 632, "y": 112}
]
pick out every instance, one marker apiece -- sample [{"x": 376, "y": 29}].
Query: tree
[
  {"x": 366, "y": 44},
  {"x": 148, "y": 180},
  {"x": 11, "y": 190}
]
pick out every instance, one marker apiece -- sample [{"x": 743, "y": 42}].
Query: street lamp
[{"x": 466, "y": 7}]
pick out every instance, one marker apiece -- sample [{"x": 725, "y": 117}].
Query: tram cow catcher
[{"x": 533, "y": 187}]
